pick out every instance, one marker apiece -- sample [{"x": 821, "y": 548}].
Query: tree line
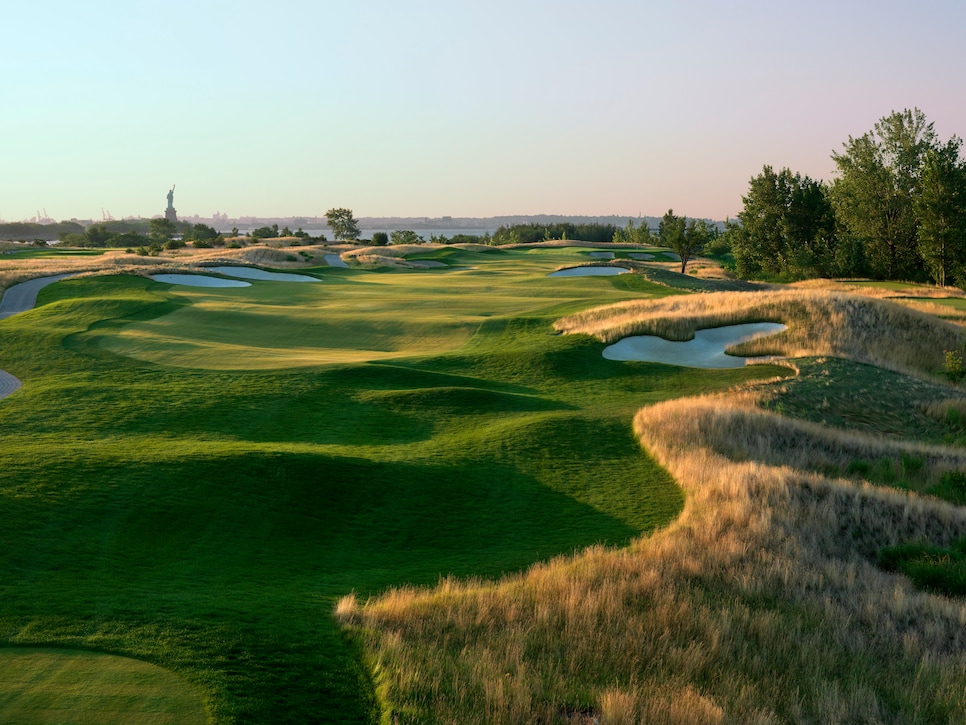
[{"x": 896, "y": 210}]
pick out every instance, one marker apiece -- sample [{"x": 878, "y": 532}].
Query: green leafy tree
[
  {"x": 671, "y": 233},
  {"x": 380, "y": 239},
  {"x": 787, "y": 227},
  {"x": 687, "y": 237},
  {"x": 405, "y": 236},
  {"x": 265, "y": 233},
  {"x": 161, "y": 229},
  {"x": 633, "y": 235},
  {"x": 879, "y": 178},
  {"x": 941, "y": 213},
  {"x": 200, "y": 232},
  {"x": 344, "y": 226}
]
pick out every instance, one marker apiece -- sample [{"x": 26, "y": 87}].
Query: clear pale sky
[{"x": 451, "y": 108}]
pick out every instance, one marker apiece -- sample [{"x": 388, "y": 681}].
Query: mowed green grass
[
  {"x": 205, "y": 517},
  {"x": 71, "y": 687},
  {"x": 347, "y": 318},
  {"x": 48, "y": 252}
]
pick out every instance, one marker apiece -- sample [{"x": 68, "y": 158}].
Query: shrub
[
  {"x": 953, "y": 365},
  {"x": 380, "y": 239},
  {"x": 858, "y": 468}
]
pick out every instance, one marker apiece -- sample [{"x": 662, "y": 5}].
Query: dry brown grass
[
  {"x": 862, "y": 287},
  {"x": 820, "y": 322},
  {"x": 14, "y": 270},
  {"x": 758, "y": 605}
]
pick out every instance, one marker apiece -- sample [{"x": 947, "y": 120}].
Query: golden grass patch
[
  {"x": 820, "y": 322},
  {"x": 740, "y": 611},
  {"x": 761, "y": 603}
]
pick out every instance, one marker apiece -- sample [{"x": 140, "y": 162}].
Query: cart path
[{"x": 20, "y": 298}]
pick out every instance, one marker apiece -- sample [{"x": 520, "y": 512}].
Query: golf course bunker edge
[
  {"x": 199, "y": 280},
  {"x": 706, "y": 350},
  {"x": 589, "y": 272},
  {"x": 261, "y": 274}
]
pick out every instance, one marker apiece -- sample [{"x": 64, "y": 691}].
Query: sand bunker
[
  {"x": 588, "y": 272},
  {"x": 706, "y": 350},
  {"x": 602, "y": 255},
  {"x": 261, "y": 274},
  {"x": 644, "y": 256},
  {"x": 199, "y": 280},
  {"x": 334, "y": 260}
]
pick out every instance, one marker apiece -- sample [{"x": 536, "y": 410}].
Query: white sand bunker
[
  {"x": 706, "y": 350},
  {"x": 588, "y": 272},
  {"x": 199, "y": 280},
  {"x": 334, "y": 260},
  {"x": 602, "y": 255},
  {"x": 261, "y": 274},
  {"x": 640, "y": 255}
]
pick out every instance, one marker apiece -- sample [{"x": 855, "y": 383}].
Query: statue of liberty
[{"x": 171, "y": 213}]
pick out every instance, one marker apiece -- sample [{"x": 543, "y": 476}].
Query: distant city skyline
[{"x": 451, "y": 109}]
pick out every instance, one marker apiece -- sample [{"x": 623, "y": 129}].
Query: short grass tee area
[
  {"x": 72, "y": 687},
  {"x": 193, "y": 477}
]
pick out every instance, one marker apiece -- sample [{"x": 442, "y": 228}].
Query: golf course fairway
[{"x": 194, "y": 476}]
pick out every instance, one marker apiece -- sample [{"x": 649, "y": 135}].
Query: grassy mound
[
  {"x": 761, "y": 603},
  {"x": 208, "y": 519},
  {"x": 765, "y": 600}
]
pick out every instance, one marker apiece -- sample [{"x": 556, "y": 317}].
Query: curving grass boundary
[
  {"x": 820, "y": 322},
  {"x": 762, "y": 603},
  {"x": 40, "y": 685}
]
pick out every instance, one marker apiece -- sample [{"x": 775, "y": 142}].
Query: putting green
[
  {"x": 69, "y": 686},
  {"x": 356, "y": 316}
]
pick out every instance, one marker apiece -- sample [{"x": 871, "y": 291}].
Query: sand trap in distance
[
  {"x": 588, "y": 272},
  {"x": 261, "y": 274},
  {"x": 334, "y": 260},
  {"x": 602, "y": 255},
  {"x": 706, "y": 350},
  {"x": 198, "y": 280}
]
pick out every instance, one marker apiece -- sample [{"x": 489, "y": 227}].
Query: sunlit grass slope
[
  {"x": 764, "y": 602},
  {"x": 72, "y": 687},
  {"x": 355, "y": 315},
  {"x": 207, "y": 519}
]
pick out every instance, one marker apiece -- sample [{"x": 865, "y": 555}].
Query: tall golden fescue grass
[
  {"x": 820, "y": 322},
  {"x": 884, "y": 291},
  {"x": 758, "y": 605}
]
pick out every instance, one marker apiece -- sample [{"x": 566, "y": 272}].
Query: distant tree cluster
[
  {"x": 29, "y": 231},
  {"x": 530, "y": 233},
  {"x": 405, "y": 236},
  {"x": 896, "y": 210},
  {"x": 633, "y": 235}
]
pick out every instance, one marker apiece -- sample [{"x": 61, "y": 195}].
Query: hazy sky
[{"x": 451, "y": 108}]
